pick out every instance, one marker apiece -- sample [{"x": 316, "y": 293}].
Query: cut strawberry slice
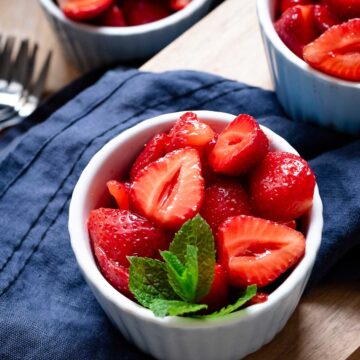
[
  {"x": 218, "y": 295},
  {"x": 240, "y": 146},
  {"x": 179, "y": 4},
  {"x": 113, "y": 16},
  {"x": 121, "y": 233},
  {"x": 286, "y": 4},
  {"x": 189, "y": 131},
  {"x": 257, "y": 251},
  {"x": 324, "y": 18},
  {"x": 79, "y": 10},
  {"x": 346, "y": 9},
  {"x": 120, "y": 192},
  {"x": 297, "y": 27},
  {"x": 153, "y": 150},
  {"x": 337, "y": 51},
  {"x": 170, "y": 190},
  {"x": 141, "y": 12}
]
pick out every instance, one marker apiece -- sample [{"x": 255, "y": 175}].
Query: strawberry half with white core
[
  {"x": 240, "y": 146},
  {"x": 337, "y": 51},
  {"x": 257, "y": 251},
  {"x": 170, "y": 190}
]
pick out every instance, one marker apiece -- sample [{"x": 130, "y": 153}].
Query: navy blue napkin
[{"x": 46, "y": 309}]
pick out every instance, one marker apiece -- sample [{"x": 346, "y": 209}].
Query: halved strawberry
[
  {"x": 113, "y": 16},
  {"x": 115, "y": 274},
  {"x": 324, "y": 18},
  {"x": 79, "y": 10},
  {"x": 218, "y": 295},
  {"x": 286, "y": 4},
  {"x": 153, "y": 150},
  {"x": 297, "y": 27},
  {"x": 240, "y": 146},
  {"x": 121, "y": 233},
  {"x": 282, "y": 187},
  {"x": 223, "y": 199},
  {"x": 170, "y": 190},
  {"x": 189, "y": 131},
  {"x": 120, "y": 192},
  {"x": 179, "y": 4},
  {"x": 141, "y": 12},
  {"x": 257, "y": 251},
  {"x": 337, "y": 51},
  {"x": 346, "y": 9}
]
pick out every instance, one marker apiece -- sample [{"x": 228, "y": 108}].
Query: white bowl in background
[
  {"x": 305, "y": 93},
  {"x": 177, "y": 338},
  {"x": 90, "y": 46}
]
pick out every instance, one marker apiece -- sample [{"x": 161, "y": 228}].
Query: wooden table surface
[{"x": 326, "y": 324}]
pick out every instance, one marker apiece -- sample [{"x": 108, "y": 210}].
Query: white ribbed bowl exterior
[
  {"x": 175, "y": 338},
  {"x": 305, "y": 93},
  {"x": 89, "y": 47}
]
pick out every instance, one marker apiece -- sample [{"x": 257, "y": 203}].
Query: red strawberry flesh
[
  {"x": 170, "y": 190},
  {"x": 79, "y": 10},
  {"x": 240, "y": 146},
  {"x": 337, "y": 51},
  {"x": 120, "y": 192},
  {"x": 257, "y": 251}
]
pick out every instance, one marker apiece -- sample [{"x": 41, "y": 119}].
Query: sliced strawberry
[
  {"x": 115, "y": 274},
  {"x": 153, "y": 150},
  {"x": 113, "y": 16},
  {"x": 286, "y": 4},
  {"x": 324, "y": 18},
  {"x": 189, "y": 131},
  {"x": 121, "y": 233},
  {"x": 282, "y": 187},
  {"x": 297, "y": 27},
  {"x": 240, "y": 146},
  {"x": 257, "y": 251},
  {"x": 337, "y": 51},
  {"x": 120, "y": 192},
  {"x": 218, "y": 295},
  {"x": 79, "y": 10},
  {"x": 139, "y": 12},
  {"x": 170, "y": 190},
  {"x": 179, "y": 4},
  {"x": 223, "y": 199},
  {"x": 346, "y": 9},
  {"x": 259, "y": 298}
]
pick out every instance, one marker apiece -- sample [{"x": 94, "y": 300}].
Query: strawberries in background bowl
[{"x": 285, "y": 244}]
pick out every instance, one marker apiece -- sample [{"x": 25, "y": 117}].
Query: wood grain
[{"x": 326, "y": 325}]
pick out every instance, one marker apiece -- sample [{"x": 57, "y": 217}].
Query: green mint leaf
[
  {"x": 249, "y": 293},
  {"x": 162, "y": 308},
  {"x": 198, "y": 233},
  {"x": 183, "y": 278},
  {"x": 148, "y": 281}
]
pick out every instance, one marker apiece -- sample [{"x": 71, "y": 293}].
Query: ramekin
[
  {"x": 176, "y": 338},
  {"x": 89, "y": 46},
  {"x": 305, "y": 93}
]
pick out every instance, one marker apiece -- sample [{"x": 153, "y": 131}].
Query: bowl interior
[{"x": 114, "y": 161}]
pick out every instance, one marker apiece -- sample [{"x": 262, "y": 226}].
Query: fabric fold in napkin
[{"x": 46, "y": 309}]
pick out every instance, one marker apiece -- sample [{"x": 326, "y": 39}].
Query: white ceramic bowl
[
  {"x": 89, "y": 46},
  {"x": 176, "y": 338},
  {"x": 305, "y": 93}
]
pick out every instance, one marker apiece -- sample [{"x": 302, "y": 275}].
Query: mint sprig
[{"x": 176, "y": 286}]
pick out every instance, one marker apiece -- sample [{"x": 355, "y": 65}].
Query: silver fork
[{"x": 19, "y": 92}]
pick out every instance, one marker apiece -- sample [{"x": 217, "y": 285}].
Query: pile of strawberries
[
  {"x": 325, "y": 33},
  {"x": 120, "y": 12},
  {"x": 250, "y": 196}
]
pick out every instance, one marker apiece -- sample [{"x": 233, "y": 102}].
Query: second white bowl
[{"x": 175, "y": 338}]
